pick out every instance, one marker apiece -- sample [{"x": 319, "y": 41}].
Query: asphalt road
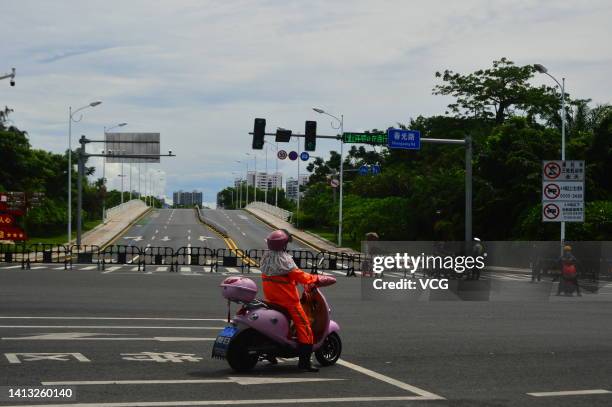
[
  {"x": 246, "y": 230},
  {"x": 95, "y": 327},
  {"x": 173, "y": 228}
]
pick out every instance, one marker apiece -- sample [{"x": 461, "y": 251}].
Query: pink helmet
[{"x": 278, "y": 240}]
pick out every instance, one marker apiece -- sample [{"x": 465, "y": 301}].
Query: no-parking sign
[{"x": 563, "y": 191}]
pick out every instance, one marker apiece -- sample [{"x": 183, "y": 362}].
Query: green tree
[{"x": 496, "y": 93}]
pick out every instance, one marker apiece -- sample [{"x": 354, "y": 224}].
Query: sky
[{"x": 199, "y": 72}]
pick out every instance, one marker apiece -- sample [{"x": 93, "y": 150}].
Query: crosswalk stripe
[
  {"x": 111, "y": 269},
  {"x": 134, "y": 268},
  {"x": 161, "y": 268},
  {"x": 89, "y": 268},
  {"x": 232, "y": 270},
  {"x": 10, "y": 267},
  {"x": 185, "y": 269},
  {"x": 255, "y": 271}
]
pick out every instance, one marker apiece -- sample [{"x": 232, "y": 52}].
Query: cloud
[{"x": 199, "y": 72}]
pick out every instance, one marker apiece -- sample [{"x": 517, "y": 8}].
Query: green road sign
[{"x": 366, "y": 138}]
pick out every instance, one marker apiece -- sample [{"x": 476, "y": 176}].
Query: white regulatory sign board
[
  {"x": 562, "y": 211},
  {"x": 568, "y": 170},
  {"x": 563, "y": 191}
]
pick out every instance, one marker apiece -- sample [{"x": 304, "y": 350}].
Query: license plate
[{"x": 223, "y": 340}]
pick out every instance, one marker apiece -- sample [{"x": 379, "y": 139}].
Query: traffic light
[
  {"x": 310, "y": 136},
  {"x": 283, "y": 135},
  {"x": 259, "y": 131}
]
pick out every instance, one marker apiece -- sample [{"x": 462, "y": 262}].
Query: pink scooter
[{"x": 262, "y": 330}]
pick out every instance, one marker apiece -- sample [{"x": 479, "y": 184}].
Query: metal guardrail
[{"x": 208, "y": 258}]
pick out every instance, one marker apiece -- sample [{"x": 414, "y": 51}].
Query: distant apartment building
[
  {"x": 292, "y": 186},
  {"x": 263, "y": 180},
  {"x": 181, "y": 198}
]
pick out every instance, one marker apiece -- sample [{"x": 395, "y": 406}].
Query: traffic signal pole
[{"x": 467, "y": 142}]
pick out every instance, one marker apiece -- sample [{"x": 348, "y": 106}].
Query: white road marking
[
  {"x": 243, "y": 381},
  {"x": 135, "y": 268},
  {"x": 102, "y": 327},
  {"x": 76, "y": 336},
  {"x": 58, "y": 268},
  {"x": 189, "y": 237},
  {"x": 188, "y": 230},
  {"x": 117, "y": 318},
  {"x": 111, "y": 269},
  {"x": 10, "y": 267},
  {"x": 153, "y": 237},
  {"x": 182, "y": 403},
  {"x": 569, "y": 393},
  {"x": 404, "y": 386},
  {"x": 232, "y": 270},
  {"x": 89, "y": 268},
  {"x": 13, "y": 358},
  {"x": 185, "y": 269},
  {"x": 255, "y": 271},
  {"x": 161, "y": 268},
  {"x": 38, "y": 267}
]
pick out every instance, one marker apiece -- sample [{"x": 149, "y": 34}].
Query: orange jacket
[{"x": 282, "y": 289}]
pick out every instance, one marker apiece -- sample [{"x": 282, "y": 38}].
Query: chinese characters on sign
[
  {"x": 366, "y": 138},
  {"x": 563, "y": 191},
  {"x": 404, "y": 139}
]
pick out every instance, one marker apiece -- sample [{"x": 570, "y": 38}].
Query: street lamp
[
  {"x": 275, "y": 172},
  {"x": 254, "y": 177},
  {"x": 341, "y": 127},
  {"x": 246, "y": 200},
  {"x": 106, "y": 129},
  {"x": 542, "y": 69},
  {"x": 70, "y": 120}
]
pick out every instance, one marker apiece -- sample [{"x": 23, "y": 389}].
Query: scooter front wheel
[
  {"x": 238, "y": 355},
  {"x": 330, "y": 350}
]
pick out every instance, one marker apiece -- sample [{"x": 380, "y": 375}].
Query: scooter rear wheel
[
  {"x": 330, "y": 350},
  {"x": 238, "y": 355}
]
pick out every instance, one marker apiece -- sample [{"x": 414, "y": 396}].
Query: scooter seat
[{"x": 278, "y": 308}]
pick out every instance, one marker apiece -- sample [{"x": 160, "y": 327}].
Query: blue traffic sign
[
  {"x": 293, "y": 156},
  {"x": 364, "y": 169},
  {"x": 404, "y": 139},
  {"x": 376, "y": 169},
  {"x": 304, "y": 156}
]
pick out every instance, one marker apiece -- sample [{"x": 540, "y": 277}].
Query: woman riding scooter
[{"x": 280, "y": 277}]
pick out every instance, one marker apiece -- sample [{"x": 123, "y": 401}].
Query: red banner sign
[
  {"x": 12, "y": 233},
  {"x": 6, "y": 220}
]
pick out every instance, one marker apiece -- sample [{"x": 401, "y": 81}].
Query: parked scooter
[{"x": 263, "y": 331}]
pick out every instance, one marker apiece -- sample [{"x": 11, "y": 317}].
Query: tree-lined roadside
[
  {"x": 513, "y": 125},
  {"x": 419, "y": 195},
  {"x": 27, "y": 169}
]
